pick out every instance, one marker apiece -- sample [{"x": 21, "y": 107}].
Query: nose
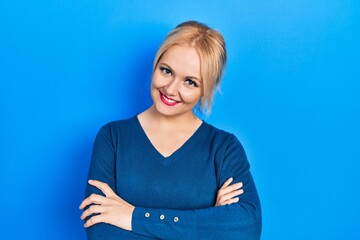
[{"x": 171, "y": 89}]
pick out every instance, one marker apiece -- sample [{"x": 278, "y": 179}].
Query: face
[{"x": 176, "y": 83}]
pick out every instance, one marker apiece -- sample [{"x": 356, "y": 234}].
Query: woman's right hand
[{"x": 228, "y": 194}]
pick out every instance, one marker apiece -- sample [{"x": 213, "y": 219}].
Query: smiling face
[{"x": 176, "y": 82}]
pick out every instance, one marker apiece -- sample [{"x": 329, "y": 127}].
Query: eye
[
  {"x": 191, "y": 82},
  {"x": 165, "y": 70}
]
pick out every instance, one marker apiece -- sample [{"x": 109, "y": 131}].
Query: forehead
[{"x": 183, "y": 60}]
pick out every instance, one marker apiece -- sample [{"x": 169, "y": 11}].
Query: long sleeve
[
  {"x": 118, "y": 163},
  {"x": 102, "y": 168},
  {"x": 241, "y": 220}
]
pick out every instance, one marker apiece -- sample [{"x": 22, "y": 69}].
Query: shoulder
[
  {"x": 222, "y": 138},
  {"x": 219, "y": 134},
  {"x": 119, "y": 124},
  {"x": 111, "y": 132},
  {"x": 116, "y": 128}
]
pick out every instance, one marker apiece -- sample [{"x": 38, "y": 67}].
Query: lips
[{"x": 168, "y": 101}]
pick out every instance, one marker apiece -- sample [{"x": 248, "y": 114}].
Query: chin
[{"x": 163, "y": 110}]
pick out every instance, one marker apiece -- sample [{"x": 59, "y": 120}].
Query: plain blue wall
[{"x": 291, "y": 93}]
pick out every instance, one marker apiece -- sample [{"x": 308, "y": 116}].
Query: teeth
[{"x": 168, "y": 99}]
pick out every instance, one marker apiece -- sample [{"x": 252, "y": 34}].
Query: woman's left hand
[
  {"x": 228, "y": 194},
  {"x": 110, "y": 209}
]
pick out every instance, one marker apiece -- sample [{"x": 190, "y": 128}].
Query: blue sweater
[{"x": 174, "y": 196}]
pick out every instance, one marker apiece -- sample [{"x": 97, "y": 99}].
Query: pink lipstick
[{"x": 168, "y": 101}]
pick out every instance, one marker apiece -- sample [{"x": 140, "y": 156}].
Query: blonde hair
[{"x": 210, "y": 46}]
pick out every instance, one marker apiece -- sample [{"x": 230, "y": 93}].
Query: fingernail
[{"x": 90, "y": 181}]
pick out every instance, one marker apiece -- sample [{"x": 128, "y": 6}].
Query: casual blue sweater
[{"x": 174, "y": 196}]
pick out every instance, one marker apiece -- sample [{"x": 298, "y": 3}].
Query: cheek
[
  {"x": 191, "y": 96},
  {"x": 157, "y": 80}
]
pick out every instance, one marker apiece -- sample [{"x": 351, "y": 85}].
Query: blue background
[{"x": 291, "y": 93}]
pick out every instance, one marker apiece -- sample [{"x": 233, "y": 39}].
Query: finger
[
  {"x": 227, "y": 201},
  {"x": 233, "y": 187},
  {"x": 232, "y": 194},
  {"x": 230, "y": 201},
  {"x": 228, "y": 196},
  {"x": 94, "y": 220},
  {"x": 104, "y": 187},
  {"x": 227, "y": 182},
  {"x": 91, "y": 210},
  {"x": 93, "y": 199}
]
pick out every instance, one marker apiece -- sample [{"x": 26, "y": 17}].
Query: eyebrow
[{"x": 192, "y": 77}]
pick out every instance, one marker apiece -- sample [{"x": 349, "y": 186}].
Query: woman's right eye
[{"x": 165, "y": 70}]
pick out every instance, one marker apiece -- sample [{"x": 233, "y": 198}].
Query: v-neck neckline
[{"x": 185, "y": 147}]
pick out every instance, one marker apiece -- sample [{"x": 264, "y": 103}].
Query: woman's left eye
[{"x": 191, "y": 82}]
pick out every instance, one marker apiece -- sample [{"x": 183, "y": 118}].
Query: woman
[{"x": 166, "y": 174}]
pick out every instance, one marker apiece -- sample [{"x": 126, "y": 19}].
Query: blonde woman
[{"x": 165, "y": 173}]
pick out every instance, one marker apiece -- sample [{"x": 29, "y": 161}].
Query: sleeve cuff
[{"x": 161, "y": 223}]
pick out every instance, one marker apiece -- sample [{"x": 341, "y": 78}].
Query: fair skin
[{"x": 176, "y": 88}]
